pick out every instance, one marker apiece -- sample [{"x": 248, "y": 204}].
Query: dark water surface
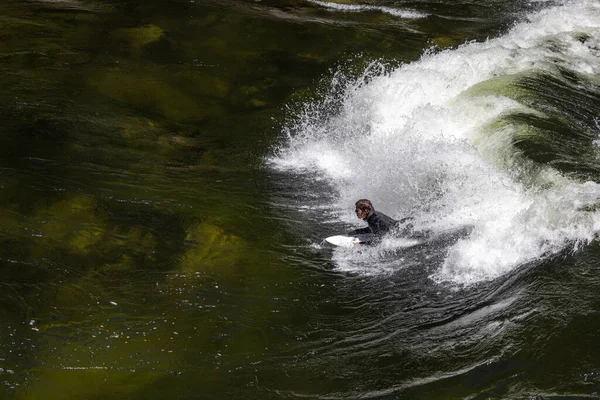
[{"x": 169, "y": 168}]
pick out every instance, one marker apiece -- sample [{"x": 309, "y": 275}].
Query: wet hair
[{"x": 365, "y": 205}]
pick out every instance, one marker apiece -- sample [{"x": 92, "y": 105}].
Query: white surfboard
[
  {"x": 390, "y": 243},
  {"x": 349, "y": 241}
]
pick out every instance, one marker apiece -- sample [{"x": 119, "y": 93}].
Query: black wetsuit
[{"x": 379, "y": 224}]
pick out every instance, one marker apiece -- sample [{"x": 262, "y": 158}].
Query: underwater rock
[
  {"x": 72, "y": 223},
  {"x": 151, "y": 92},
  {"x": 250, "y": 97},
  {"x": 212, "y": 249},
  {"x": 140, "y": 36}
]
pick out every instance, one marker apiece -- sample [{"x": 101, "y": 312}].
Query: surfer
[{"x": 379, "y": 223}]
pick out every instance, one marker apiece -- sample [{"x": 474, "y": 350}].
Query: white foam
[
  {"x": 421, "y": 140},
  {"x": 407, "y": 14}
]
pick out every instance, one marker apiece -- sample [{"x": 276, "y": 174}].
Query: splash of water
[{"x": 426, "y": 140}]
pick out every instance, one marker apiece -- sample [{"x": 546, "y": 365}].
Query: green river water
[{"x": 150, "y": 250}]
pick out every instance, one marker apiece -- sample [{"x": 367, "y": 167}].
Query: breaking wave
[{"x": 437, "y": 139}]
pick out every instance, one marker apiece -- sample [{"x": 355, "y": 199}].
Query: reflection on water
[{"x": 148, "y": 252}]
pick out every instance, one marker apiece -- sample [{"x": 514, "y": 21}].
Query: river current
[{"x": 169, "y": 169}]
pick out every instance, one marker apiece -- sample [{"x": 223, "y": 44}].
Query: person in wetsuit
[{"x": 379, "y": 223}]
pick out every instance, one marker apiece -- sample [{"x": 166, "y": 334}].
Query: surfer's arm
[{"x": 360, "y": 231}]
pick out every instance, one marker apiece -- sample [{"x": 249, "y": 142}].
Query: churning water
[{"x": 437, "y": 139}]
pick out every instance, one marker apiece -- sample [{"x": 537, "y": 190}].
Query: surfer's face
[{"x": 360, "y": 213}]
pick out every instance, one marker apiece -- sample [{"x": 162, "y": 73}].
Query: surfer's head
[{"x": 364, "y": 208}]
